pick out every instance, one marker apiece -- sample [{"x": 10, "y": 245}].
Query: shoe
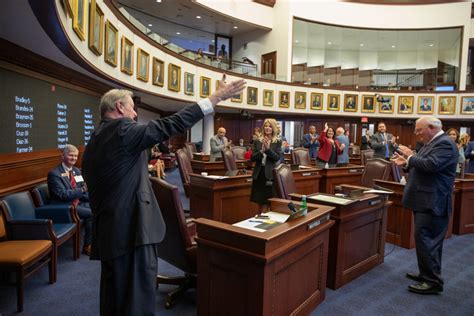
[
  {"x": 87, "y": 250},
  {"x": 414, "y": 277},
  {"x": 425, "y": 288}
]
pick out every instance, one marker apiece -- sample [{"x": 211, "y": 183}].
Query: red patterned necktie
[{"x": 75, "y": 202}]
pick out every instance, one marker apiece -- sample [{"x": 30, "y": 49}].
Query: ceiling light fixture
[
  {"x": 431, "y": 45},
  {"x": 393, "y": 46},
  {"x": 329, "y": 43},
  {"x": 158, "y": 1},
  {"x": 198, "y": 16},
  {"x": 361, "y": 45},
  {"x": 236, "y": 27},
  {"x": 297, "y": 41},
  {"x": 150, "y": 24},
  {"x": 178, "y": 33}
]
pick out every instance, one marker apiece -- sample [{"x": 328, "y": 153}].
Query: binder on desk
[{"x": 330, "y": 198}]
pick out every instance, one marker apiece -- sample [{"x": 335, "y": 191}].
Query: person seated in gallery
[{"x": 66, "y": 185}]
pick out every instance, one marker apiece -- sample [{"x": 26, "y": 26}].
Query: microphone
[{"x": 292, "y": 207}]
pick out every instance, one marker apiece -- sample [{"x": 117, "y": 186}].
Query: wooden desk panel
[
  {"x": 355, "y": 161},
  {"x": 400, "y": 220},
  {"x": 463, "y": 213},
  {"x": 278, "y": 272},
  {"x": 357, "y": 240},
  {"x": 214, "y": 167},
  {"x": 340, "y": 175},
  {"x": 228, "y": 200}
]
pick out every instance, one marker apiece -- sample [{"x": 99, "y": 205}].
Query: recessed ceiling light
[
  {"x": 213, "y": 41},
  {"x": 236, "y": 27},
  {"x": 178, "y": 33},
  {"x": 361, "y": 45},
  {"x": 431, "y": 45},
  {"x": 198, "y": 16},
  {"x": 393, "y": 46},
  {"x": 150, "y": 24},
  {"x": 297, "y": 41},
  {"x": 159, "y": 1},
  {"x": 329, "y": 43}
]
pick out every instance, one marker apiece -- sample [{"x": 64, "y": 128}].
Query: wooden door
[{"x": 269, "y": 65}]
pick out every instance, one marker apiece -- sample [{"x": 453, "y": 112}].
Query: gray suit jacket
[
  {"x": 125, "y": 211},
  {"x": 376, "y": 142},
  {"x": 216, "y": 147},
  {"x": 431, "y": 177}
]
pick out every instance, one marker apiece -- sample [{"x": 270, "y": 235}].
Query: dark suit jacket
[
  {"x": 60, "y": 189},
  {"x": 125, "y": 211},
  {"x": 432, "y": 172},
  {"x": 313, "y": 148},
  {"x": 469, "y": 154},
  {"x": 273, "y": 158},
  {"x": 376, "y": 142}
]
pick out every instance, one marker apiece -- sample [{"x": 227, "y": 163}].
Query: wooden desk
[
  {"x": 214, "y": 167},
  {"x": 400, "y": 220},
  {"x": 278, "y": 272},
  {"x": 201, "y": 157},
  {"x": 463, "y": 213},
  {"x": 357, "y": 239},
  {"x": 355, "y": 160},
  {"x": 340, "y": 175},
  {"x": 228, "y": 200}
]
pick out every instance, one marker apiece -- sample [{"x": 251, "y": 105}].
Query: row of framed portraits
[{"x": 103, "y": 39}]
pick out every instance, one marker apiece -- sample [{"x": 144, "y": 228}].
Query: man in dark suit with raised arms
[
  {"x": 428, "y": 193},
  {"x": 127, "y": 222}
]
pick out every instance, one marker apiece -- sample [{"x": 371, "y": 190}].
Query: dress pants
[
  {"x": 128, "y": 283},
  {"x": 430, "y": 231},
  {"x": 85, "y": 214}
]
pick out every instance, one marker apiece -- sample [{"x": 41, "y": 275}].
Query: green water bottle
[{"x": 304, "y": 205}]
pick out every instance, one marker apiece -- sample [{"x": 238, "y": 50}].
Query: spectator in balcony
[{"x": 222, "y": 54}]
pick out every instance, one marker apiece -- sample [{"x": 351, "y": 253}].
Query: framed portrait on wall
[
  {"x": 333, "y": 102},
  {"x": 447, "y": 105},
  {"x": 236, "y": 98},
  {"x": 368, "y": 103},
  {"x": 284, "y": 99},
  {"x": 267, "y": 97},
  {"x": 79, "y": 18},
  {"x": 188, "y": 83},
  {"x": 405, "y": 104},
  {"x": 252, "y": 95},
  {"x": 143, "y": 65},
  {"x": 126, "y": 65},
  {"x": 174, "y": 77},
  {"x": 300, "y": 100},
  {"x": 467, "y": 105},
  {"x": 316, "y": 101},
  {"x": 96, "y": 28},
  {"x": 158, "y": 73},
  {"x": 386, "y": 106},
  {"x": 111, "y": 44},
  {"x": 350, "y": 102},
  {"x": 425, "y": 105},
  {"x": 205, "y": 87}
]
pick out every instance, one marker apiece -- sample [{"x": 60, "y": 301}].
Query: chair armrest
[
  {"x": 37, "y": 229},
  {"x": 191, "y": 226},
  {"x": 295, "y": 196},
  {"x": 58, "y": 213}
]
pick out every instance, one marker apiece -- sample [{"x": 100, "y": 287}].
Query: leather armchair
[
  {"x": 178, "y": 247},
  {"x": 375, "y": 169},
  {"x": 284, "y": 182},
  {"x": 239, "y": 152},
  {"x": 184, "y": 167},
  {"x": 190, "y": 149},
  {"x": 26, "y": 248},
  {"x": 229, "y": 160},
  {"x": 19, "y": 206},
  {"x": 300, "y": 156},
  {"x": 366, "y": 155}
]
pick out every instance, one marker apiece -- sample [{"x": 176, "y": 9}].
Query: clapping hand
[{"x": 265, "y": 144}]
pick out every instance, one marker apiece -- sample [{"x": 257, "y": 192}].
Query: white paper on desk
[
  {"x": 330, "y": 198},
  {"x": 277, "y": 217},
  {"x": 378, "y": 191},
  {"x": 305, "y": 167},
  {"x": 216, "y": 177},
  {"x": 249, "y": 225}
]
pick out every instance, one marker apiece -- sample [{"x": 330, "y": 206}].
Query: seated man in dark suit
[{"x": 66, "y": 185}]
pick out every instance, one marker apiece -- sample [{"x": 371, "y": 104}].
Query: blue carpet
[{"x": 381, "y": 291}]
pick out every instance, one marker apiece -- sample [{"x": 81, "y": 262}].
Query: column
[{"x": 207, "y": 133}]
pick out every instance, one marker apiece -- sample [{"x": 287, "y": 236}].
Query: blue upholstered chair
[{"x": 20, "y": 206}]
